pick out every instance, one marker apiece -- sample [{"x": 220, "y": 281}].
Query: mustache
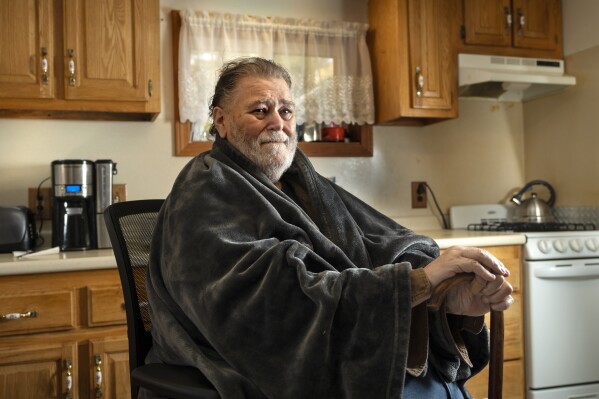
[{"x": 273, "y": 137}]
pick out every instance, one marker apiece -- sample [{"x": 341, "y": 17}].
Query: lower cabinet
[{"x": 63, "y": 335}]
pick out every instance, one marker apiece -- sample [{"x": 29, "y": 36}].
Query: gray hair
[{"x": 233, "y": 71}]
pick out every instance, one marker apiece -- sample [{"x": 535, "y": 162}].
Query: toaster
[{"x": 17, "y": 229}]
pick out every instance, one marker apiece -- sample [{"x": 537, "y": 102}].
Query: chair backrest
[{"x": 130, "y": 226}]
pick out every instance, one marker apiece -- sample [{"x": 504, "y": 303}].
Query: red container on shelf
[{"x": 333, "y": 133}]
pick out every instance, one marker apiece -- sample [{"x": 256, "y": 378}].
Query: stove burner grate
[{"x": 530, "y": 226}]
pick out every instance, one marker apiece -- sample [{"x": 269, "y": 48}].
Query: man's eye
[
  {"x": 286, "y": 113},
  {"x": 260, "y": 111}
]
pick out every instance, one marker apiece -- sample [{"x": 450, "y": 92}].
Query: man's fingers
[
  {"x": 502, "y": 305},
  {"x": 486, "y": 259}
]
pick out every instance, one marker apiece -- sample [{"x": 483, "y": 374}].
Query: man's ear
[{"x": 218, "y": 118}]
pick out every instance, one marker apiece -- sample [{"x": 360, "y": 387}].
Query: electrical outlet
[
  {"x": 42, "y": 208},
  {"x": 419, "y": 199},
  {"x": 119, "y": 193}
]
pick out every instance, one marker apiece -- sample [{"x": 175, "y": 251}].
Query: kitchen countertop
[
  {"x": 61, "y": 262},
  {"x": 104, "y": 258},
  {"x": 448, "y": 238}
]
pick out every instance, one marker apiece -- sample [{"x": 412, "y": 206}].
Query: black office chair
[{"x": 130, "y": 226}]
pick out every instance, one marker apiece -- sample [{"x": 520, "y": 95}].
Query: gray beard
[{"x": 272, "y": 162}]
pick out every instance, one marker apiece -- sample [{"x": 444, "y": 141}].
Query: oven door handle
[{"x": 568, "y": 271}]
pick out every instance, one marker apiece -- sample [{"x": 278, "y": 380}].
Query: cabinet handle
[
  {"x": 508, "y": 18},
  {"x": 69, "y": 379},
  {"x": 14, "y": 316},
  {"x": 150, "y": 87},
  {"x": 419, "y": 82},
  {"x": 44, "y": 66},
  {"x": 98, "y": 376},
  {"x": 521, "y": 21},
  {"x": 71, "y": 67}
]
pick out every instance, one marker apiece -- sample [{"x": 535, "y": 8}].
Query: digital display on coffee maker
[{"x": 73, "y": 188}]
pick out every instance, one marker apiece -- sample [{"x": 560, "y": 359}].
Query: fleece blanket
[{"x": 305, "y": 295}]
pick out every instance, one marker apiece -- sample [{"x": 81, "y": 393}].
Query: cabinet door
[
  {"x": 414, "y": 60},
  {"x": 34, "y": 372},
  {"x": 537, "y": 24},
  {"x": 27, "y": 43},
  {"x": 104, "y": 46},
  {"x": 432, "y": 59},
  {"x": 109, "y": 368},
  {"x": 488, "y": 22}
]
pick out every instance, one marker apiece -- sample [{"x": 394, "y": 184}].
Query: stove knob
[
  {"x": 591, "y": 244},
  {"x": 576, "y": 245},
  {"x": 559, "y": 246},
  {"x": 544, "y": 246}
]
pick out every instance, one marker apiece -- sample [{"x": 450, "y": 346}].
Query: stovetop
[{"x": 500, "y": 225}]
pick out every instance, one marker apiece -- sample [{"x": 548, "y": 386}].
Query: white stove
[{"x": 560, "y": 298}]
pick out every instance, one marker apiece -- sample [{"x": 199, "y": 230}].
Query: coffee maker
[
  {"x": 104, "y": 170},
  {"x": 73, "y": 205}
]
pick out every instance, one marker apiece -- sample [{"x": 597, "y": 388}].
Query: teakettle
[{"x": 534, "y": 209}]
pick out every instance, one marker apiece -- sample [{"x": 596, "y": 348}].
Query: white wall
[
  {"x": 561, "y": 141},
  {"x": 475, "y": 159},
  {"x": 580, "y": 25}
]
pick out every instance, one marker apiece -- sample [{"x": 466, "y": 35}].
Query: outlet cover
[{"x": 419, "y": 200}]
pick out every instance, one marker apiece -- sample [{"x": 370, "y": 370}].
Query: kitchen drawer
[
  {"x": 105, "y": 306},
  {"x": 35, "y": 312}
]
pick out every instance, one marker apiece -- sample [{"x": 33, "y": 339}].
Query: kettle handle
[{"x": 551, "y": 201}]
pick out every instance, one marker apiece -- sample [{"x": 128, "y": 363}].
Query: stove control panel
[{"x": 566, "y": 245}]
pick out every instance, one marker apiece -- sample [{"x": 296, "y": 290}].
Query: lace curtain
[{"x": 328, "y": 62}]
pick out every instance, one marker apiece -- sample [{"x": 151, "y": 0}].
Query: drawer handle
[
  {"x": 69, "y": 379},
  {"x": 419, "y": 81},
  {"x": 44, "y": 66},
  {"x": 14, "y": 316},
  {"x": 72, "y": 80},
  {"x": 98, "y": 376}
]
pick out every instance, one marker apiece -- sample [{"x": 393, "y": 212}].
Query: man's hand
[{"x": 488, "y": 290}]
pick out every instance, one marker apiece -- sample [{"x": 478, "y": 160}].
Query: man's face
[{"x": 260, "y": 122}]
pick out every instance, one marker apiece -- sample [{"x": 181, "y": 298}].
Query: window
[{"x": 328, "y": 62}]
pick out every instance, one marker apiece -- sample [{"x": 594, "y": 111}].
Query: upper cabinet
[
  {"x": 80, "y": 59},
  {"x": 414, "y": 60},
  {"x": 524, "y": 28}
]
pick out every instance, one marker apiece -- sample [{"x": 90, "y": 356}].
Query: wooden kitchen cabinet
[
  {"x": 523, "y": 28},
  {"x": 75, "y": 331},
  {"x": 30, "y": 371},
  {"x": 414, "y": 60},
  {"x": 513, "y": 366},
  {"x": 108, "y": 359},
  {"x": 80, "y": 59}
]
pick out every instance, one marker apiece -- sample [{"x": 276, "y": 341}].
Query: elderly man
[{"x": 276, "y": 283}]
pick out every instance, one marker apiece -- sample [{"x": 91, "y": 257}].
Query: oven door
[{"x": 561, "y": 305}]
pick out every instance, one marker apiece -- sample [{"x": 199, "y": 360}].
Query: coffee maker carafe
[
  {"x": 73, "y": 207},
  {"x": 105, "y": 169}
]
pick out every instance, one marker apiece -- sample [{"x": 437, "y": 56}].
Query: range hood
[{"x": 510, "y": 78}]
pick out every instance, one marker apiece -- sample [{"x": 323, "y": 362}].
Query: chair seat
[{"x": 176, "y": 382}]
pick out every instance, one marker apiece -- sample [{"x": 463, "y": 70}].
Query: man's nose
[{"x": 275, "y": 121}]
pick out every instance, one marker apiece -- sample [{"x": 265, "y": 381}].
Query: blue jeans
[{"x": 430, "y": 387}]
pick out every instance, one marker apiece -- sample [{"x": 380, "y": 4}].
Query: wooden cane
[{"x": 496, "y": 341}]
